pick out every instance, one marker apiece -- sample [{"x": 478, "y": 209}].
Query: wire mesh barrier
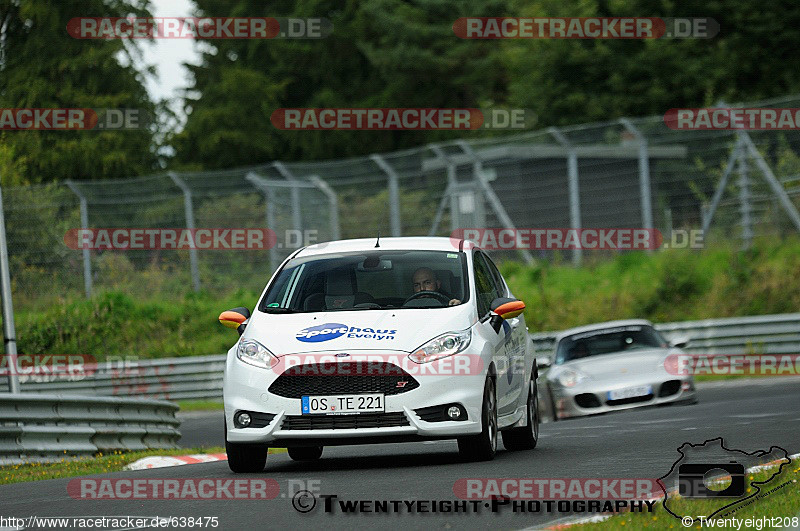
[{"x": 628, "y": 173}]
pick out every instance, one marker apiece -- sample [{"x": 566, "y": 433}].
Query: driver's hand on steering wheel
[{"x": 453, "y": 302}]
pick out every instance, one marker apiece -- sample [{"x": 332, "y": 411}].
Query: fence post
[
  {"x": 494, "y": 201},
  {"x": 723, "y": 183},
  {"x": 189, "y": 213},
  {"x": 394, "y": 193},
  {"x": 333, "y": 202},
  {"x": 644, "y": 175},
  {"x": 451, "y": 185},
  {"x": 9, "y": 330},
  {"x": 745, "y": 208},
  {"x": 260, "y": 185},
  {"x": 574, "y": 189},
  {"x": 87, "y": 257},
  {"x": 297, "y": 219}
]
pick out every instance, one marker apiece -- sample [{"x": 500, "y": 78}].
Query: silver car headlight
[
  {"x": 254, "y": 353},
  {"x": 442, "y": 346},
  {"x": 570, "y": 377}
]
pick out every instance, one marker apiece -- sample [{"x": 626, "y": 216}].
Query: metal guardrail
[
  {"x": 201, "y": 377},
  {"x": 37, "y": 427},
  {"x": 763, "y": 334},
  {"x": 196, "y": 377}
]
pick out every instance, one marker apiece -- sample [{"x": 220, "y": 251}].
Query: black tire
[
  {"x": 245, "y": 458},
  {"x": 525, "y": 437},
  {"x": 305, "y": 453},
  {"x": 483, "y": 446}
]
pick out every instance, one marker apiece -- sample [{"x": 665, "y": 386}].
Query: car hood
[
  {"x": 402, "y": 330},
  {"x": 629, "y": 363}
]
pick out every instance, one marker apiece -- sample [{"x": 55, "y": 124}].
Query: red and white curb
[
  {"x": 569, "y": 522},
  {"x": 161, "y": 461}
]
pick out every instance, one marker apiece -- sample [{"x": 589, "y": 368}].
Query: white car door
[{"x": 486, "y": 289}]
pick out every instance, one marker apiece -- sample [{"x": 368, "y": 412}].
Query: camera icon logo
[{"x": 696, "y": 480}]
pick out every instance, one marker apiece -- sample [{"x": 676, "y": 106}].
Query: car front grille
[
  {"x": 632, "y": 400},
  {"x": 344, "y": 422},
  {"x": 343, "y": 379}
]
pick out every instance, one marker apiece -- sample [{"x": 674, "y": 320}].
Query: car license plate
[
  {"x": 630, "y": 392},
  {"x": 343, "y": 404}
]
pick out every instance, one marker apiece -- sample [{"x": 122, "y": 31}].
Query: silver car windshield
[
  {"x": 608, "y": 341},
  {"x": 369, "y": 280}
]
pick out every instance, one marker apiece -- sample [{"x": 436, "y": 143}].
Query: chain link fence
[{"x": 625, "y": 173}]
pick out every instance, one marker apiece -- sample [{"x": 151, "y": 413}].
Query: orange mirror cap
[
  {"x": 510, "y": 310},
  {"x": 231, "y": 319}
]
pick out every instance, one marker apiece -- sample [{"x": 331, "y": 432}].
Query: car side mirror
[
  {"x": 235, "y": 318},
  {"x": 679, "y": 341},
  {"x": 543, "y": 362},
  {"x": 502, "y": 309}
]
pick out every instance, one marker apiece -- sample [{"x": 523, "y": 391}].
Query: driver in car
[{"x": 424, "y": 279}]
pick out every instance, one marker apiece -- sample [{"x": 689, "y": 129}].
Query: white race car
[{"x": 375, "y": 341}]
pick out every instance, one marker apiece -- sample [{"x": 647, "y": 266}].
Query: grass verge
[
  {"x": 783, "y": 502},
  {"x": 200, "y": 405},
  {"x": 99, "y": 464}
]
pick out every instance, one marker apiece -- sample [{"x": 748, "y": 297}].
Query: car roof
[
  {"x": 600, "y": 326},
  {"x": 421, "y": 243}
]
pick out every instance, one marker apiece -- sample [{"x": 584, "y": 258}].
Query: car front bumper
[
  {"x": 593, "y": 399},
  {"x": 246, "y": 388}
]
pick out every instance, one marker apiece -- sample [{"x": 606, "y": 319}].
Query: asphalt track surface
[{"x": 748, "y": 414}]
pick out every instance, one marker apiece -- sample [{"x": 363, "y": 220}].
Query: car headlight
[
  {"x": 570, "y": 377},
  {"x": 442, "y": 346},
  {"x": 252, "y": 352}
]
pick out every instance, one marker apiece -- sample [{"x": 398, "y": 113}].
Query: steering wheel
[{"x": 444, "y": 299}]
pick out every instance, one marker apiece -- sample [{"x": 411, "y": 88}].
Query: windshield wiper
[{"x": 275, "y": 309}]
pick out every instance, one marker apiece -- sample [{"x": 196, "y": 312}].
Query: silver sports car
[{"x": 608, "y": 367}]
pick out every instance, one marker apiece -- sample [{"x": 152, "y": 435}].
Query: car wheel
[
  {"x": 483, "y": 446},
  {"x": 305, "y": 453},
  {"x": 245, "y": 458},
  {"x": 525, "y": 437}
]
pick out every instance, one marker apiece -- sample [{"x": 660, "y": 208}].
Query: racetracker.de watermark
[
  {"x": 138, "y": 488},
  {"x": 552, "y": 239},
  {"x": 237, "y": 239},
  {"x": 394, "y": 119},
  {"x": 199, "y": 28},
  {"x": 585, "y": 28},
  {"x": 82, "y": 119},
  {"x": 557, "y": 488},
  {"x": 740, "y": 364},
  {"x": 726, "y": 119}
]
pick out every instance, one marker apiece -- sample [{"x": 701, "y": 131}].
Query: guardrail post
[
  {"x": 394, "y": 193},
  {"x": 574, "y": 190},
  {"x": 87, "y": 257},
  {"x": 297, "y": 219},
  {"x": 9, "y": 330},
  {"x": 333, "y": 202},
  {"x": 189, "y": 213},
  {"x": 644, "y": 174}
]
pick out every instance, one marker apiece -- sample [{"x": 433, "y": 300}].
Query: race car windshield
[
  {"x": 608, "y": 341},
  {"x": 369, "y": 281}
]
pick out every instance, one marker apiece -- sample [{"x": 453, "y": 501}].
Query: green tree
[
  {"x": 382, "y": 53},
  {"x": 41, "y": 66},
  {"x": 573, "y": 81}
]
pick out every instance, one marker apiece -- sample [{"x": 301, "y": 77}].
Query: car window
[
  {"x": 500, "y": 286},
  {"x": 368, "y": 280},
  {"x": 608, "y": 341},
  {"x": 484, "y": 284}
]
